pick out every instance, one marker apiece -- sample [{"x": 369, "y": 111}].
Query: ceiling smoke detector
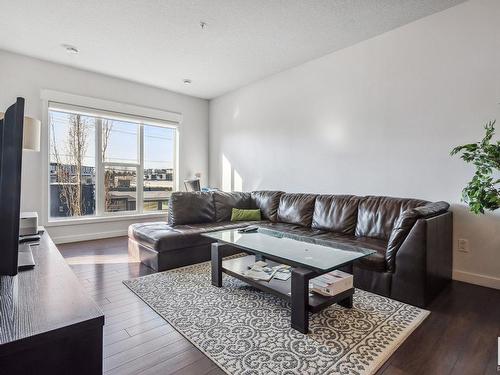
[
  {"x": 72, "y": 50},
  {"x": 187, "y": 81}
]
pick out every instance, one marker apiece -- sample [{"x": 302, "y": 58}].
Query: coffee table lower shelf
[{"x": 301, "y": 304}]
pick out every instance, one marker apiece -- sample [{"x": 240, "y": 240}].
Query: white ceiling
[{"x": 160, "y": 42}]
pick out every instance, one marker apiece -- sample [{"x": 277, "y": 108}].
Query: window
[
  {"x": 103, "y": 163},
  {"x": 158, "y": 148}
]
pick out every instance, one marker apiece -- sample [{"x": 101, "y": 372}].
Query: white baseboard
[
  {"x": 89, "y": 236},
  {"x": 476, "y": 278}
]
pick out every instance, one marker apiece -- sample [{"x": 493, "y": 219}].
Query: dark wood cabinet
[{"x": 48, "y": 322}]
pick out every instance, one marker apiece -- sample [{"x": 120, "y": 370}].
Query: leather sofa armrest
[
  {"x": 405, "y": 223},
  {"x": 423, "y": 263},
  {"x": 432, "y": 209}
]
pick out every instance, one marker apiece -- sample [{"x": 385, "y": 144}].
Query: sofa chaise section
[{"x": 178, "y": 242}]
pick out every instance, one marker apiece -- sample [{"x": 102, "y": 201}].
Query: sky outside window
[
  {"x": 158, "y": 147},
  {"x": 122, "y": 142}
]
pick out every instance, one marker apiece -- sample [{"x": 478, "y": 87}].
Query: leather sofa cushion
[
  {"x": 377, "y": 215},
  {"x": 402, "y": 227},
  {"x": 336, "y": 213},
  {"x": 375, "y": 262},
  {"x": 350, "y": 242},
  {"x": 225, "y": 202},
  {"x": 161, "y": 237},
  {"x": 268, "y": 202},
  {"x": 296, "y": 209},
  {"x": 293, "y": 229},
  {"x": 405, "y": 223},
  {"x": 191, "y": 208}
]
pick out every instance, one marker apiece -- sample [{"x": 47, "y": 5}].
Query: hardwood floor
[
  {"x": 459, "y": 337},
  {"x": 136, "y": 339}
]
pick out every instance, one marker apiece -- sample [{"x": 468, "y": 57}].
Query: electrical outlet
[{"x": 463, "y": 245}]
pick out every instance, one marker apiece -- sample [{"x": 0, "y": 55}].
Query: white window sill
[{"x": 103, "y": 219}]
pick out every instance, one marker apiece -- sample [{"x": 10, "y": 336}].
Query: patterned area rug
[{"x": 245, "y": 331}]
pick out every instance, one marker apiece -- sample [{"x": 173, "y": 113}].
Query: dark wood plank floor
[{"x": 459, "y": 337}]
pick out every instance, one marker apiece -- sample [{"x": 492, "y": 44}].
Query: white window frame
[{"x": 119, "y": 111}]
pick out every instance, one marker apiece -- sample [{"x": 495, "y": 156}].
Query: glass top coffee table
[{"x": 308, "y": 260}]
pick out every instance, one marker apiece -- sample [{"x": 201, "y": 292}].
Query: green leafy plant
[{"x": 483, "y": 191}]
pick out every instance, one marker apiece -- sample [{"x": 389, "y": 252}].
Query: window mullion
[
  {"x": 99, "y": 169},
  {"x": 140, "y": 171},
  {"x": 175, "y": 166}
]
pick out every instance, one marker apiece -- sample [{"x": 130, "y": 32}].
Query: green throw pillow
[{"x": 245, "y": 215}]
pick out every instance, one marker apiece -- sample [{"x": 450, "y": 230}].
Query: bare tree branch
[
  {"x": 107, "y": 126},
  {"x": 69, "y": 171}
]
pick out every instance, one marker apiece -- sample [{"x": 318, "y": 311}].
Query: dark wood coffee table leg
[
  {"x": 346, "y": 302},
  {"x": 217, "y": 249},
  {"x": 300, "y": 299}
]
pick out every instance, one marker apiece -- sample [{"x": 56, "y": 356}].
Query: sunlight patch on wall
[
  {"x": 238, "y": 182},
  {"x": 226, "y": 174},
  {"x": 231, "y": 180}
]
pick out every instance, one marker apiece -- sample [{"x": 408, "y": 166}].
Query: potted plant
[{"x": 483, "y": 191}]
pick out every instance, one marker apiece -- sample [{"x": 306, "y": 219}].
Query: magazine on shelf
[{"x": 261, "y": 271}]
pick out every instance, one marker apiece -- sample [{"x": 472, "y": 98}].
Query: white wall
[
  {"x": 378, "y": 118},
  {"x": 24, "y": 76}
]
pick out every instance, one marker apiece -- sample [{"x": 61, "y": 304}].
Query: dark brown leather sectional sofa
[{"x": 412, "y": 238}]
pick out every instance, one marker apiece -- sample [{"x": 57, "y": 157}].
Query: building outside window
[{"x": 104, "y": 164}]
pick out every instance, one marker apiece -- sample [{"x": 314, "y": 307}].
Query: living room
[{"x": 181, "y": 183}]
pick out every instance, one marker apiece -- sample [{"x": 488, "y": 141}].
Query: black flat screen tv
[{"x": 11, "y": 152}]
